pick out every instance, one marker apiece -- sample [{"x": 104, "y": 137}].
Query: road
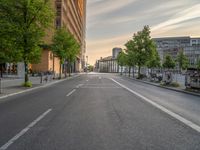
[{"x": 100, "y": 112}]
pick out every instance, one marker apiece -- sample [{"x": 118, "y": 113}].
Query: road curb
[
  {"x": 38, "y": 87},
  {"x": 177, "y": 90}
]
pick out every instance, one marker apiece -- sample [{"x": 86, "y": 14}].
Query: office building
[
  {"x": 173, "y": 45},
  {"x": 70, "y": 14}
]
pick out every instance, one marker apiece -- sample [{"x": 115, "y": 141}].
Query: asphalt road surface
[{"x": 100, "y": 112}]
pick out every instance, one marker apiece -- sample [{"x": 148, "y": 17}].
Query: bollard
[
  {"x": 0, "y": 86},
  {"x": 46, "y": 78},
  {"x": 41, "y": 78}
]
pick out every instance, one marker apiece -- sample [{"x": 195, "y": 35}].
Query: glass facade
[{"x": 172, "y": 46}]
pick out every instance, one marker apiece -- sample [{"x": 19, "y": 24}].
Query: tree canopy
[
  {"x": 25, "y": 23},
  {"x": 169, "y": 63},
  {"x": 198, "y": 64},
  {"x": 65, "y": 46},
  {"x": 141, "y": 49},
  {"x": 182, "y": 60},
  {"x": 154, "y": 61},
  {"x": 121, "y": 60}
]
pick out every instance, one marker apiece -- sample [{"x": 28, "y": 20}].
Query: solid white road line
[
  {"x": 178, "y": 117},
  {"x": 70, "y": 93},
  {"x": 22, "y": 132}
]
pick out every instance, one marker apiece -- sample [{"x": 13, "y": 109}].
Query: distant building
[
  {"x": 193, "y": 54},
  {"x": 115, "y": 52},
  {"x": 109, "y": 64},
  {"x": 172, "y": 46},
  {"x": 195, "y": 42}
]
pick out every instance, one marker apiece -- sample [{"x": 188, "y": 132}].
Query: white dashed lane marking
[{"x": 22, "y": 132}]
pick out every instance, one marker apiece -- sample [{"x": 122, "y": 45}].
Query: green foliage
[
  {"x": 23, "y": 25},
  {"x": 90, "y": 68},
  {"x": 131, "y": 57},
  {"x": 154, "y": 61},
  {"x": 8, "y": 53},
  {"x": 74, "y": 50},
  {"x": 65, "y": 46},
  {"x": 27, "y": 84},
  {"x": 141, "y": 48},
  {"x": 173, "y": 84},
  {"x": 198, "y": 64},
  {"x": 169, "y": 63},
  {"x": 61, "y": 44},
  {"x": 121, "y": 59},
  {"x": 182, "y": 60}
]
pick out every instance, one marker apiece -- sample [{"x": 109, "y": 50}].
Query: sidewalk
[
  {"x": 12, "y": 86},
  {"x": 179, "y": 89}
]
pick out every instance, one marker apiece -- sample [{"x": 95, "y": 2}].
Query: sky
[{"x": 111, "y": 23}]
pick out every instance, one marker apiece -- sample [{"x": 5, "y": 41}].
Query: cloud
[
  {"x": 114, "y": 41},
  {"x": 111, "y": 23},
  {"x": 107, "y": 6},
  {"x": 185, "y": 15}
]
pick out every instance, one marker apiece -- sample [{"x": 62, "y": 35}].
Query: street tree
[
  {"x": 73, "y": 53},
  {"x": 60, "y": 46},
  {"x": 142, "y": 46},
  {"x": 65, "y": 47},
  {"x": 27, "y": 22},
  {"x": 8, "y": 52},
  {"x": 130, "y": 55},
  {"x": 182, "y": 61},
  {"x": 121, "y": 60},
  {"x": 154, "y": 61},
  {"x": 169, "y": 63}
]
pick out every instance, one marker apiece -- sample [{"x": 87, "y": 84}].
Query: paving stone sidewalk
[{"x": 14, "y": 85}]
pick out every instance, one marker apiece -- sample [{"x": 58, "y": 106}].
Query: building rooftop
[
  {"x": 178, "y": 37},
  {"x": 106, "y": 58}
]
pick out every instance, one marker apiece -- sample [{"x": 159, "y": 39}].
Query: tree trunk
[
  {"x": 53, "y": 67},
  {"x": 121, "y": 70},
  {"x": 60, "y": 70},
  {"x": 129, "y": 71},
  {"x": 26, "y": 79},
  {"x": 133, "y": 71},
  {"x": 69, "y": 69},
  {"x": 139, "y": 69},
  {"x": 1, "y": 70},
  {"x": 65, "y": 71}
]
